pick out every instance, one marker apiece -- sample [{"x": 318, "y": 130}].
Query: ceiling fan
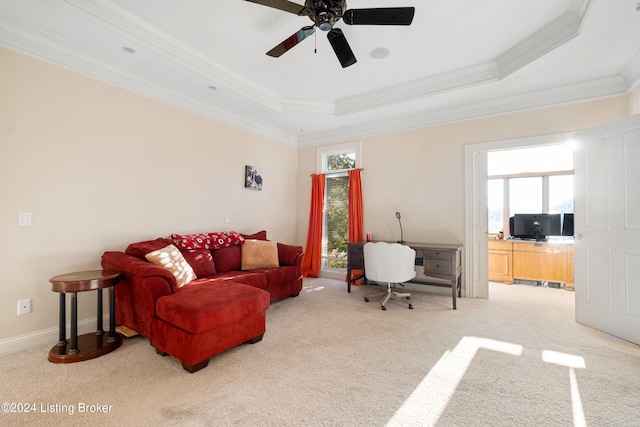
[{"x": 326, "y": 13}]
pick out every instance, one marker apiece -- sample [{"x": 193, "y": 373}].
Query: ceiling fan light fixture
[{"x": 325, "y": 21}]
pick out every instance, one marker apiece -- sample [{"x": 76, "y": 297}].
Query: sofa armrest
[
  {"x": 132, "y": 266},
  {"x": 141, "y": 284},
  {"x": 290, "y": 255}
]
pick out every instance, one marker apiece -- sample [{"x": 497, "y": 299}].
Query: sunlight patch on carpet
[
  {"x": 441, "y": 382},
  {"x": 443, "y": 379},
  {"x": 572, "y": 362}
]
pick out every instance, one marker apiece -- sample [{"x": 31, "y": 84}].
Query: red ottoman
[{"x": 203, "y": 320}]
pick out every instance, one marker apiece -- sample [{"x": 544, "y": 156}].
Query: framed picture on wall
[{"x": 253, "y": 177}]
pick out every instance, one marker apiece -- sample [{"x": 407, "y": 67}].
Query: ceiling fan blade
[
  {"x": 285, "y": 5},
  {"x": 290, "y": 42},
  {"x": 379, "y": 16},
  {"x": 341, "y": 47}
]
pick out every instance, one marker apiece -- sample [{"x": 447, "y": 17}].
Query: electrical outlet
[{"x": 24, "y": 306}]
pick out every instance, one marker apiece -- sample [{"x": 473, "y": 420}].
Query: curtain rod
[{"x": 334, "y": 173}]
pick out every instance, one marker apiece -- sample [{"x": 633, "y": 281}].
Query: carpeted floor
[{"x": 330, "y": 359}]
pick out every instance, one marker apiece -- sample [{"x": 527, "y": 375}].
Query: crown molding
[
  {"x": 457, "y": 79},
  {"x": 41, "y": 46},
  {"x": 171, "y": 48},
  {"x": 579, "y": 92},
  {"x": 37, "y": 43},
  {"x": 551, "y": 36},
  {"x": 631, "y": 71},
  {"x": 295, "y": 105},
  {"x": 543, "y": 41},
  {"x": 16, "y": 38},
  {"x": 556, "y": 33}
]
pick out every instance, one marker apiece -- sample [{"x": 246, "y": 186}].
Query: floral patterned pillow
[
  {"x": 209, "y": 241},
  {"x": 171, "y": 259}
]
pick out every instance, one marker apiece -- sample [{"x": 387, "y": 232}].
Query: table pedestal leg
[
  {"x": 62, "y": 331},
  {"x": 74, "y": 323},
  {"x": 99, "y": 330},
  {"x": 112, "y": 314}
]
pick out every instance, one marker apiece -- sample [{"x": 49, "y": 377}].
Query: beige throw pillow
[
  {"x": 259, "y": 254},
  {"x": 170, "y": 258}
]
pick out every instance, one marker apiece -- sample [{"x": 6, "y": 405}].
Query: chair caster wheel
[
  {"x": 366, "y": 299},
  {"x": 384, "y": 308},
  {"x": 410, "y": 307}
]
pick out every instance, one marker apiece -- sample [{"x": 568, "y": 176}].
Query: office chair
[{"x": 389, "y": 263}]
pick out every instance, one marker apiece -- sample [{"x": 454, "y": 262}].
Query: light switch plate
[{"x": 24, "y": 219}]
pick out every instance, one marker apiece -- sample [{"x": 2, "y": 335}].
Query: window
[
  {"x": 525, "y": 195},
  {"x": 496, "y": 205},
  {"x": 561, "y": 194},
  {"x": 335, "y": 162},
  {"x": 529, "y": 180}
]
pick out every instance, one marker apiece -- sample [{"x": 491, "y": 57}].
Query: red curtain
[
  {"x": 313, "y": 252},
  {"x": 356, "y": 214}
]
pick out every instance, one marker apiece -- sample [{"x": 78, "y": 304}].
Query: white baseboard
[{"x": 49, "y": 335}]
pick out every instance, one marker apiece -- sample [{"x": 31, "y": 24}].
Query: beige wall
[
  {"x": 634, "y": 101},
  {"x": 100, "y": 167},
  {"x": 421, "y": 173}
]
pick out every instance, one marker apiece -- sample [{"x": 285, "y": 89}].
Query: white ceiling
[{"x": 460, "y": 59}]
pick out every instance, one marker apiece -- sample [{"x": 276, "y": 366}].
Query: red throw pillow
[
  {"x": 212, "y": 241},
  {"x": 200, "y": 260},
  {"x": 192, "y": 241},
  {"x": 227, "y": 259},
  {"x": 140, "y": 249},
  {"x": 260, "y": 235}
]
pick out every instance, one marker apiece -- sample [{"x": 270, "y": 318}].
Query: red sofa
[{"x": 224, "y": 306}]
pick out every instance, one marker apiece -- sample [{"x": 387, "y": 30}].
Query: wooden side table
[{"x": 91, "y": 345}]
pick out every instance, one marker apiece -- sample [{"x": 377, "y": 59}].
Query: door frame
[{"x": 476, "y": 282}]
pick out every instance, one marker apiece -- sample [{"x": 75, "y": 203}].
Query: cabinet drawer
[
  {"x": 355, "y": 249},
  {"x": 356, "y": 261},
  {"x": 437, "y": 266},
  {"x": 436, "y": 254}
]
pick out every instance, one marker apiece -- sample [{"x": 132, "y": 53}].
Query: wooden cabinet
[
  {"x": 443, "y": 262},
  {"x": 500, "y": 261},
  {"x": 569, "y": 284},
  {"x": 528, "y": 260},
  {"x": 438, "y": 263},
  {"x": 540, "y": 261},
  {"x": 355, "y": 256}
]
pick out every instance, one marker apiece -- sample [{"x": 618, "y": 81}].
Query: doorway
[
  {"x": 530, "y": 218},
  {"x": 476, "y": 206}
]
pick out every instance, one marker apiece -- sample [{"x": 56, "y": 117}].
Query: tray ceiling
[{"x": 458, "y": 60}]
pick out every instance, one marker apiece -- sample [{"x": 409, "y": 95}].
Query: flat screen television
[
  {"x": 567, "y": 224},
  {"x": 535, "y": 226}
]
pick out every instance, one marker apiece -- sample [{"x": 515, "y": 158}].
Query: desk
[
  {"x": 92, "y": 345},
  {"x": 528, "y": 260},
  {"x": 438, "y": 260}
]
